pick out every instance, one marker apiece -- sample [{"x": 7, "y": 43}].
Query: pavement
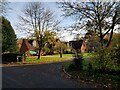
[{"x": 38, "y": 76}]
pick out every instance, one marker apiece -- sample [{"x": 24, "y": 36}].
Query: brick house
[
  {"x": 79, "y": 44},
  {"x": 30, "y": 45},
  {"x": 84, "y": 47}
]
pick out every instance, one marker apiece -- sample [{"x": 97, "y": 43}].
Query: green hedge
[{"x": 11, "y": 57}]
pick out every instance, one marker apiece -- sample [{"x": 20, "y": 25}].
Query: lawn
[
  {"x": 53, "y": 58},
  {"x": 64, "y": 55},
  {"x": 45, "y": 59},
  {"x": 49, "y": 59}
]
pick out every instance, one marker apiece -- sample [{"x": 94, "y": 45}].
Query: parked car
[{"x": 33, "y": 53}]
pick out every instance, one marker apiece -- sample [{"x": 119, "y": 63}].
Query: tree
[
  {"x": 100, "y": 17},
  {"x": 60, "y": 47},
  {"x": 76, "y": 45},
  {"x": 49, "y": 41},
  {"x": 92, "y": 41},
  {"x": 3, "y": 10},
  {"x": 3, "y": 7},
  {"x": 9, "y": 42},
  {"x": 37, "y": 20}
]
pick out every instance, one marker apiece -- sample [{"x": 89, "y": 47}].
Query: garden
[{"x": 93, "y": 69}]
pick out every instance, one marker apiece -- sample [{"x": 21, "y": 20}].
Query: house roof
[
  {"x": 76, "y": 44},
  {"x": 25, "y": 46}
]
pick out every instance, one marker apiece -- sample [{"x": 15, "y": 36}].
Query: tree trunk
[
  {"x": 77, "y": 52},
  {"x": 60, "y": 52},
  {"x": 110, "y": 39},
  {"x": 39, "y": 54},
  {"x": 24, "y": 57},
  {"x": 112, "y": 27},
  {"x": 60, "y": 55},
  {"x": 40, "y": 46}
]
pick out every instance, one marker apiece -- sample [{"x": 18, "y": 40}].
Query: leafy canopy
[{"x": 8, "y": 37}]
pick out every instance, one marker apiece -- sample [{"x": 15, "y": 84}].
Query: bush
[
  {"x": 68, "y": 52},
  {"x": 10, "y": 57},
  {"x": 78, "y": 62},
  {"x": 28, "y": 53},
  {"x": 105, "y": 58},
  {"x": 117, "y": 55},
  {"x": 71, "y": 67}
]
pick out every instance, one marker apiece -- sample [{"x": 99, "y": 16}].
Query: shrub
[
  {"x": 117, "y": 55},
  {"x": 79, "y": 62},
  {"x": 105, "y": 58},
  {"x": 10, "y": 57},
  {"x": 28, "y": 53},
  {"x": 71, "y": 67},
  {"x": 68, "y": 52}
]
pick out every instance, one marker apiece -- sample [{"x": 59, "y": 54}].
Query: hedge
[{"x": 11, "y": 57}]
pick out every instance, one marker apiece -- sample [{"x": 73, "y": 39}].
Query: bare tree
[
  {"x": 101, "y": 17},
  {"x": 3, "y": 7},
  {"x": 3, "y": 10},
  {"x": 36, "y": 21}
]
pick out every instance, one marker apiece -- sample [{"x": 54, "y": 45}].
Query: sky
[
  {"x": 15, "y": 12},
  {"x": 18, "y": 5}
]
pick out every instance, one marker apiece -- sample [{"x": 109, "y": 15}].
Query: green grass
[
  {"x": 46, "y": 59},
  {"x": 87, "y": 54},
  {"x": 64, "y": 55}
]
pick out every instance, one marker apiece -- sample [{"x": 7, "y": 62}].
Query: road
[{"x": 37, "y": 76}]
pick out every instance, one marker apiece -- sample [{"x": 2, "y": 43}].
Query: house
[
  {"x": 79, "y": 45},
  {"x": 24, "y": 46},
  {"x": 30, "y": 45},
  {"x": 93, "y": 42},
  {"x": 33, "y": 42},
  {"x": 27, "y": 46},
  {"x": 84, "y": 47}
]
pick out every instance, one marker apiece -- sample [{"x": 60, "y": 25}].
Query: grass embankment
[{"x": 96, "y": 78}]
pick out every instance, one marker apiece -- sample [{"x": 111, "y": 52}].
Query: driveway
[{"x": 37, "y": 76}]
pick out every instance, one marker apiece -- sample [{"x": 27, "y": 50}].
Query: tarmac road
[{"x": 37, "y": 76}]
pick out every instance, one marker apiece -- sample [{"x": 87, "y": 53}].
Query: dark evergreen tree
[{"x": 9, "y": 42}]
